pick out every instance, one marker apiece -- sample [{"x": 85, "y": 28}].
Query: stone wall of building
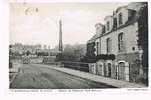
[
  {"x": 130, "y": 40},
  {"x": 131, "y": 71},
  {"x": 128, "y": 57},
  {"x": 127, "y": 65}
]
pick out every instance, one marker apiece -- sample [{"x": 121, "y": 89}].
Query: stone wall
[
  {"x": 128, "y": 57},
  {"x": 130, "y": 40},
  {"x": 131, "y": 71}
]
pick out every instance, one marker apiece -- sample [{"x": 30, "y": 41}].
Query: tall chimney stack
[{"x": 60, "y": 37}]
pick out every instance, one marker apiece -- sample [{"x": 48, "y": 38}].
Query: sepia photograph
[{"x": 78, "y": 45}]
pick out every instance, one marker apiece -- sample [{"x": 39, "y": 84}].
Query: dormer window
[
  {"x": 131, "y": 14},
  {"x": 108, "y": 25},
  {"x": 98, "y": 27},
  {"x": 114, "y": 23},
  {"x": 120, "y": 17},
  {"x": 103, "y": 29}
]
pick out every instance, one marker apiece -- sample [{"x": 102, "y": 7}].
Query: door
[
  {"x": 100, "y": 69},
  {"x": 109, "y": 69},
  {"x": 121, "y": 71}
]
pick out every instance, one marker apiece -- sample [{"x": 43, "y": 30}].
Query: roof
[
  {"x": 129, "y": 22},
  {"x": 119, "y": 8},
  {"x": 98, "y": 24},
  {"x": 96, "y": 36},
  {"x": 108, "y": 17}
]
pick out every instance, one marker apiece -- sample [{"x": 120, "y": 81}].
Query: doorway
[
  {"x": 121, "y": 71},
  {"x": 109, "y": 70}
]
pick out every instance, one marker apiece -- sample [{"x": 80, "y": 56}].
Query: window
[
  {"x": 121, "y": 46},
  {"x": 100, "y": 67},
  {"x": 109, "y": 70},
  {"x": 100, "y": 47},
  {"x": 120, "y": 19},
  {"x": 133, "y": 48},
  {"x": 103, "y": 29},
  {"x": 97, "y": 30},
  {"x": 97, "y": 48},
  {"x": 108, "y": 25},
  {"x": 108, "y": 42},
  {"x": 131, "y": 14},
  {"x": 114, "y": 23}
]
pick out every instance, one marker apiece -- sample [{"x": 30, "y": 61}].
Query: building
[
  {"x": 20, "y": 49},
  {"x": 115, "y": 48}
]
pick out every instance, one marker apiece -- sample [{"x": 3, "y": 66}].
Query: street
[{"x": 32, "y": 76}]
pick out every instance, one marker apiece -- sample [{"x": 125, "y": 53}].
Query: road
[{"x": 39, "y": 77}]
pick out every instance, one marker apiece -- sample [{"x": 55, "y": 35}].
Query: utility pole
[{"x": 60, "y": 37}]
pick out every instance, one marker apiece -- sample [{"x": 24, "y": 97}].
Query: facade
[{"x": 118, "y": 37}]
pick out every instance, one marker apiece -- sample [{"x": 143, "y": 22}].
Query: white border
[{"x": 100, "y": 94}]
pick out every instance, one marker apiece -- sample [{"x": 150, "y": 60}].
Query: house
[{"x": 115, "y": 45}]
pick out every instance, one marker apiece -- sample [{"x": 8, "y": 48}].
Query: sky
[{"x": 38, "y": 23}]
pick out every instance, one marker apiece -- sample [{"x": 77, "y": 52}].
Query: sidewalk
[{"x": 96, "y": 78}]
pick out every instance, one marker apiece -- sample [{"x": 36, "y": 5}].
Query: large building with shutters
[{"x": 115, "y": 44}]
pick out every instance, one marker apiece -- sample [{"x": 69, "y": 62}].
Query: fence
[{"x": 76, "y": 65}]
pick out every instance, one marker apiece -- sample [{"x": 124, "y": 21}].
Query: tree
[
  {"x": 28, "y": 52},
  {"x": 72, "y": 52},
  {"x": 143, "y": 37},
  {"x": 90, "y": 50}
]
